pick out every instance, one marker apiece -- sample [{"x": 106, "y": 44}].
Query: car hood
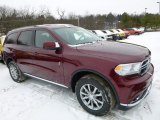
[{"x": 119, "y": 51}]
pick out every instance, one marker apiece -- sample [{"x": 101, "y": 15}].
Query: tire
[
  {"x": 94, "y": 96},
  {"x": 1, "y": 59},
  {"x": 120, "y": 38},
  {"x": 15, "y": 72},
  {"x": 115, "y": 38}
]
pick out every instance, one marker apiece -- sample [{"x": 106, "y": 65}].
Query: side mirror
[{"x": 51, "y": 45}]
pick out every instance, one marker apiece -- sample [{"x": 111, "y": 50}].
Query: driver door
[{"x": 47, "y": 63}]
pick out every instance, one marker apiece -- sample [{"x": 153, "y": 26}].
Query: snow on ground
[{"x": 37, "y": 100}]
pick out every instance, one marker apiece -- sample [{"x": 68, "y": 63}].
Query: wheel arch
[
  {"x": 80, "y": 73},
  {"x": 8, "y": 61}
]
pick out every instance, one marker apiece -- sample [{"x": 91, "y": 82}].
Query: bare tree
[
  {"x": 24, "y": 12},
  {"x": 61, "y": 13},
  {"x": 4, "y": 11}
]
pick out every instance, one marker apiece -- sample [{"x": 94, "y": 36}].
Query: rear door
[
  {"x": 24, "y": 51},
  {"x": 47, "y": 63}
]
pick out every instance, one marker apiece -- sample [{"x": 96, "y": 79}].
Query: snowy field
[{"x": 37, "y": 100}]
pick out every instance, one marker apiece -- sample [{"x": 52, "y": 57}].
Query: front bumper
[
  {"x": 135, "y": 90},
  {"x": 136, "y": 101}
]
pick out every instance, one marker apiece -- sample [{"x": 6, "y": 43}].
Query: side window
[
  {"x": 12, "y": 38},
  {"x": 94, "y": 32},
  {"x": 26, "y": 38},
  {"x": 41, "y": 37}
]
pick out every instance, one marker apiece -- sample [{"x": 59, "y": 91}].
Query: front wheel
[
  {"x": 94, "y": 96},
  {"x": 15, "y": 72}
]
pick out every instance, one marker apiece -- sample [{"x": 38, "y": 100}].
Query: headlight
[{"x": 128, "y": 69}]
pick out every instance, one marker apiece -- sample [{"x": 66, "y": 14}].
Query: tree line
[{"x": 11, "y": 18}]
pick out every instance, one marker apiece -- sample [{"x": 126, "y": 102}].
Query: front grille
[{"x": 145, "y": 66}]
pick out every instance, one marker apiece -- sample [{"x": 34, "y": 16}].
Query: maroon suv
[{"x": 103, "y": 74}]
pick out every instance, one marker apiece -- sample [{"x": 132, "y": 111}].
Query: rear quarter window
[
  {"x": 12, "y": 38},
  {"x": 26, "y": 38}
]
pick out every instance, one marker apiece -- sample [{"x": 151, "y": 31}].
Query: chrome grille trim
[{"x": 145, "y": 66}]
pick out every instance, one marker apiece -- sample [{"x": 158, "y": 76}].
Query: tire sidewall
[
  {"x": 19, "y": 78},
  {"x": 105, "y": 93}
]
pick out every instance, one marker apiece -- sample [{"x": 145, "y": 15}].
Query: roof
[{"x": 47, "y": 26}]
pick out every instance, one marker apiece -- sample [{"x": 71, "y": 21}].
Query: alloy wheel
[
  {"x": 13, "y": 71},
  {"x": 91, "y": 97}
]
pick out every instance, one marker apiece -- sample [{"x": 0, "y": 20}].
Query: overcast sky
[{"x": 81, "y": 7}]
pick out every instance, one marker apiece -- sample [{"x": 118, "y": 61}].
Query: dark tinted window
[
  {"x": 12, "y": 38},
  {"x": 94, "y": 32},
  {"x": 26, "y": 38},
  {"x": 41, "y": 37}
]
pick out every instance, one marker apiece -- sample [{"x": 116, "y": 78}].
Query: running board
[{"x": 46, "y": 80}]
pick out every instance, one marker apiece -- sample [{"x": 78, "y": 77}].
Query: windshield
[
  {"x": 76, "y": 35},
  {"x": 109, "y": 32},
  {"x": 135, "y": 29},
  {"x": 99, "y": 32},
  {"x": 120, "y": 30}
]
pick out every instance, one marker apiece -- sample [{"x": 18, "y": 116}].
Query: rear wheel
[
  {"x": 15, "y": 72},
  {"x": 94, "y": 96}
]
